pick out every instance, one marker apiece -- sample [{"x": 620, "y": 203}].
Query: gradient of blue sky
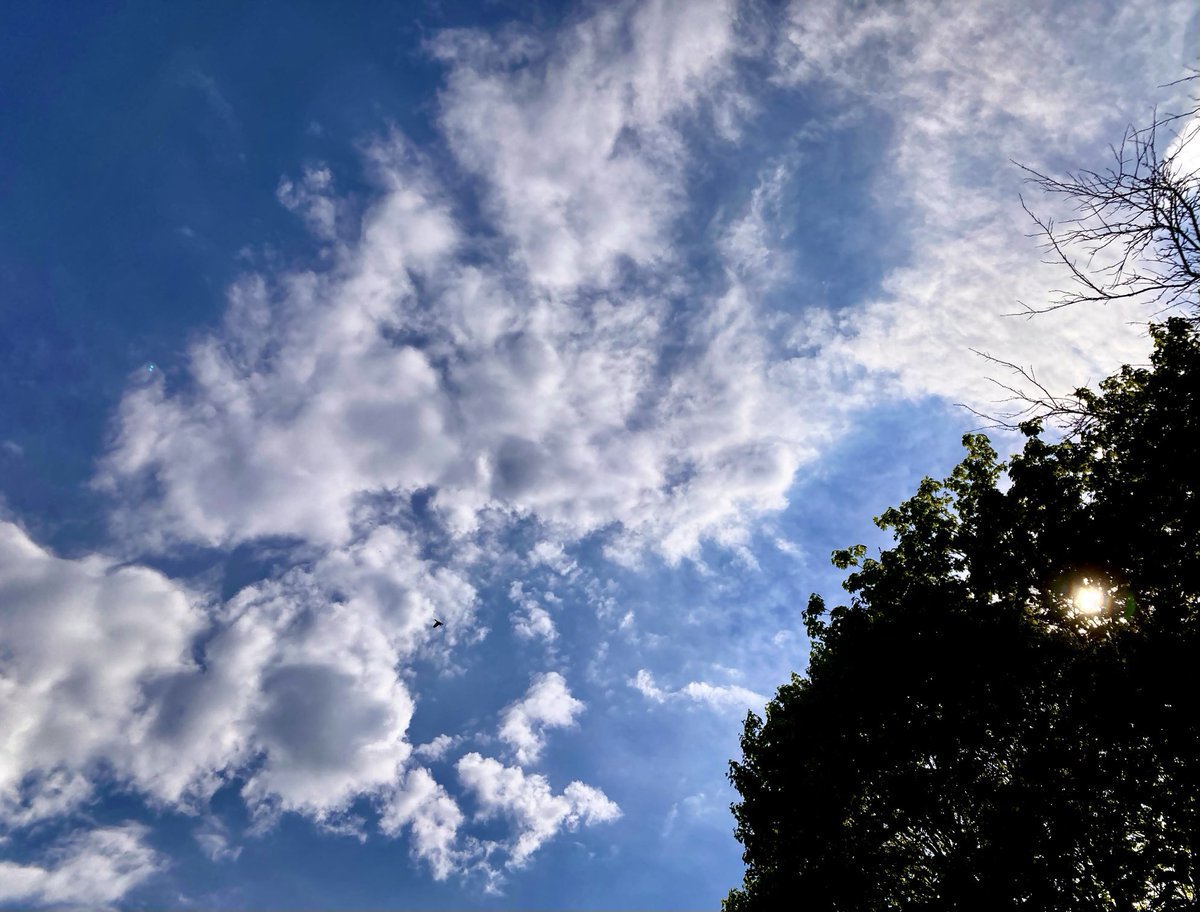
[{"x": 589, "y": 328}]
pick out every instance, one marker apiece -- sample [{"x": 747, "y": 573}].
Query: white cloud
[
  {"x": 694, "y": 809},
  {"x": 437, "y": 748},
  {"x": 644, "y": 682},
  {"x": 556, "y": 363},
  {"x": 751, "y": 244},
  {"x": 421, "y": 360},
  {"x": 213, "y": 839},
  {"x": 552, "y": 555},
  {"x": 402, "y": 369},
  {"x": 528, "y": 801},
  {"x": 579, "y": 150},
  {"x": 284, "y": 442},
  {"x": 533, "y": 621},
  {"x": 90, "y": 869},
  {"x": 302, "y": 674},
  {"x": 715, "y": 696},
  {"x": 432, "y": 817},
  {"x": 79, "y": 639},
  {"x": 733, "y": 696},
  {"x": 1183, "y": 152},
  {"x": 547, "y": 704},
  {"x": 296, "y": 689},
  {"x": 965, "y": 92},
  {"x": 312, "y": 199},
  {"x": 308, "y": 405}
]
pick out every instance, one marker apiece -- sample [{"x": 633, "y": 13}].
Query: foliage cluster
[{"x": 968, "y": 736}]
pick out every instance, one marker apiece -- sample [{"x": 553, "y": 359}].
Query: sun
[{"x": 1088, "y": 599}]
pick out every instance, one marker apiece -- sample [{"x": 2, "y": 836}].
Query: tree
[{"x": 1007, "y": 711}]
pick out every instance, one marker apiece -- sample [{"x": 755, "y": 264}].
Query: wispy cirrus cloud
[
  {"x": 715, "y": 696},
  {"x": 966, "y": 93}
]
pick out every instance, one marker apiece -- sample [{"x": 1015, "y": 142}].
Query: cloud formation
[
  {"x": 311, "y": 197},
  {"x": 576, "y": 139},
  {"x": 547, "y": 704},
  {"x": 527, "y": 800},
  {"x": 432, "y": 818},
  {"x": 79, "y": 640},
  {"x": 293, "y": 689},
  {"x": 715, "y": 696},
  {"x": 324, "y": 398},
  {"x": 965, "y": 93},
  {"x": 521, "y": 335},
  {"x": 534, "y": 622},
  {"x": 523, "y": 383},
  {"x": 90, "y": 869}
]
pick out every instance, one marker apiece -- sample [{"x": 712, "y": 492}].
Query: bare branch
[
  {"x": 1135, "y": 236},
  {"x": 1032, "y": 401},
  {"x": 1136, "y": 233}
]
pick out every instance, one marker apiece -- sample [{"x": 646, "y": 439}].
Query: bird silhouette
[{"x": 437, "y": 624}]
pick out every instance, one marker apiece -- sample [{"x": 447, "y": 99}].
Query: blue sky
[{"x": 590, "y": 329}]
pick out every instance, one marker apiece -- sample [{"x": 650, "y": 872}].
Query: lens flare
[{"x": 1088, "y": 599}]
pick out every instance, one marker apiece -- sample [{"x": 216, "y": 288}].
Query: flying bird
[{"x": 437, "y": 624}]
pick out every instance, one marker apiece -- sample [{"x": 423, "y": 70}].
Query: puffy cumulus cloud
[
  {"x": 715, "y": 696},
  {"x": 575, "y": 137},
  {"x": 533, "y": 621},
  {"x": 327, "y": 737},
  {"x": 421, "y": 360},
  {"x": 965, "y": 93},
  {"x": 79, "y": 640},
  {"x": 437, "y": 748},
  {"x": 295, "y": 687},
  {"x": 433, "y": 819},
  {"x": 300, "y": 685},
  {"x": 547, "y": 704},
  {"x": 303, "y": 405},
  {"x": 528, "y": 801},
  {"x": 89, "y": 869}
]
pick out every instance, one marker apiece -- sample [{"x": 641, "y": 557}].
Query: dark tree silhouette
[{"x": 1007, "y": 712}]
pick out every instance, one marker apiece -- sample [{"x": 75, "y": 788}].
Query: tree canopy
[
  {"x": 1006, "y": 713},
  {"x": 1007, "y": 710}
]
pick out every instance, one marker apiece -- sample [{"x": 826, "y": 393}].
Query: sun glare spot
[{"x": 1088, "y": 599}]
